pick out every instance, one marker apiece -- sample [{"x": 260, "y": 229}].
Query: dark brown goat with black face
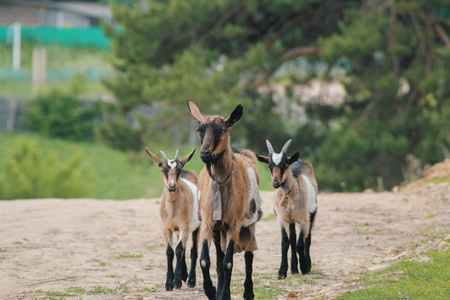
[
  {"x": 179, "y": 210},
  {"x": 231, "y": 203},
  {"x": 295, "y": 202}
]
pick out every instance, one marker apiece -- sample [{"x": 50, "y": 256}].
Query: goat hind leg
[
  {"x": 227, "y": 271},
  {"x": 179, "y": 252},
  {"x": 219, "y": 255},
  {"x": 305, "y": 263},
  {"x": 293, "y": 241},
  {"x": 192, "y": 277},
  {"x": 248, "y": 284}
]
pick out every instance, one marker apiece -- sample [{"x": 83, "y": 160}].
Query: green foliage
[
  {"x": 392, "y": 60},
  {"x": 60, "y": 115},
  {"x": 409, "y": 280},
  {"x": 29, "y": 172},
  {"x": 118, "y": 134}
]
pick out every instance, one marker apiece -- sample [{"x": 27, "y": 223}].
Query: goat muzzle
[{"x": 206, "y": 155}]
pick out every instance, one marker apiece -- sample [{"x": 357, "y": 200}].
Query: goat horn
[
  {"x": 176, "y": 154},
  {"x": 269, "y": 147},
  {"x": 286, "y": 146},
  {"x": 164, "y": 155}
]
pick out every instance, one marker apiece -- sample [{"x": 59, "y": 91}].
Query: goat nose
[
  {"x": 276, "y": 184},
  {"x": 205, "y": 151}
]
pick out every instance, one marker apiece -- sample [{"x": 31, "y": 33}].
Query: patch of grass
[
  {"x": 430, "y": 215},
  {"x": 110, "y": 167},
  {"x": 155, "y": 247},
  {"x": 129, "y": 255},
  {"x": 149, "y": 290},
  {"x": 101, "y": 263},
  {"x": 409, "y": 280},
  {"x": 70, "y": 292},
  {"x": 97, "y": 290},
  {"x": 270, "y": 217},
  {"x": 112, "y": 275}
]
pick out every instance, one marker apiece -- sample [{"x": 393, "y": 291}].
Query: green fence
[{"x": 82, "y": 37}]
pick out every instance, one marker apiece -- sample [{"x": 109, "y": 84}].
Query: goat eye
[{"x": 224, "y": 130}]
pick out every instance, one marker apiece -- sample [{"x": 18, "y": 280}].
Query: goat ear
[
  {"x": 155, "y": 158},
  {"x": 294, "y": 158},
  {"x": 235, "y": 115},
  {"x": 195, "y": 111},
  {"x": 263, "y": 159},
  {"x": 187, "y": 158}
]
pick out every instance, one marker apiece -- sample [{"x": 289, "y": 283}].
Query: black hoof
[{"x": 169, "y": 286}]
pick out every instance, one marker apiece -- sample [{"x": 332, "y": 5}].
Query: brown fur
[{"x": 176, "y": 208}]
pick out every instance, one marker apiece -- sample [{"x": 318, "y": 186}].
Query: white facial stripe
[
  {"x": 276, "y": 158},
  {"x": 172, "y": 163}
]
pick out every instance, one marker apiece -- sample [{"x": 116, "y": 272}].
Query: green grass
[
  {"x": 129, "y": 255},
  {"x": 114, "y": 177},
  {"x": 409, "y": 280}
]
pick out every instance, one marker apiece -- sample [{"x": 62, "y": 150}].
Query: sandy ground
[{"x": 97, "y": 249}]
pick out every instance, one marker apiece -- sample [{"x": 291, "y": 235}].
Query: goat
[
  {"x": 295, "y": 202},
  {"x": 179, "y": 210},
  {"x": 231, "y": 203}
]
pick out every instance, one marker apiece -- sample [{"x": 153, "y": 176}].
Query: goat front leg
[
  {"x": 192, "y": 277},
  {"x": 227, "y": 270},
  {"x": 168, "y": 235},
  {"x": 282, "y": 272},
  {"x": 293, "y": 241},
  {"x": 169, "y": 277},
  {"x": 248, "y": 284},
  {"x": 205, "y": 263}
]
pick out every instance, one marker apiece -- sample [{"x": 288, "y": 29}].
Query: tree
[{"x": 394, "y": 56}]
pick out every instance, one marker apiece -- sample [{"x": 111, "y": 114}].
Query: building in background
[{"x": 59, "y": 14}]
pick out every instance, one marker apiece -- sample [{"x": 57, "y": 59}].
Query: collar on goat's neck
[{"x": 223, "y": 168}]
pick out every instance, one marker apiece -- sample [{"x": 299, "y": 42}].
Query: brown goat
[
  {"x": 295, "y": 202},
  {"x": 231, "y": 203},
  {"x": 179, "y": 210}
]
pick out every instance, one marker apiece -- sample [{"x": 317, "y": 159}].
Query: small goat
[
  {"x": 295, "y": 202},
  {"x": 231, "y": 203},
  {"x": 179, "y": 210}
]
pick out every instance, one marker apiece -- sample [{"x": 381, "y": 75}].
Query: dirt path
[{"x": 112, "y": 249}]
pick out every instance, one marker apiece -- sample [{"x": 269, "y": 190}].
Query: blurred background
[{"x": 361, "y": 87}]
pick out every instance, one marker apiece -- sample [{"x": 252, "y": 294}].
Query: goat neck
[
  {"x": 221, "y": 169},
  {"x": 172, "y": 197}
]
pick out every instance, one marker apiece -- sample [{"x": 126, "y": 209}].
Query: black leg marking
[
  {"x": 308, "y": 241},
  {"x": 282, "y": 273},
  {"x": 227, "y": 270},
  {"x": 293, "y": 241},
  {"x": 179, "y": 252},
  {"x": 184, "y": 273},
  {"x": 205, "y": 263},
  {"x": 248, "y": 284},
  {"x": 169, "y": 278},
  {"x": 219, "y": 255},
  {"x": 192, "y": 278},
  {"x": 304, "y": 266}
]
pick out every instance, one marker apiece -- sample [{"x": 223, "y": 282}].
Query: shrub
[
  {"x": 57, "y": 114},
  {"x": 28, "y": 172}
]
